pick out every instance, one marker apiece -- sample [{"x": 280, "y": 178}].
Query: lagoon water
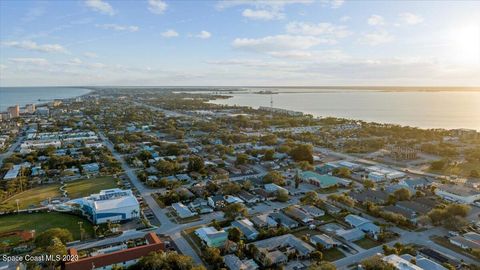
[
  {"x": 424, "y": 109},
  {"x": 10, "y": 96}
]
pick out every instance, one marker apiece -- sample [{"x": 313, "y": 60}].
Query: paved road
[
  {"x": 167, "y": 226},
  {"x": 11, "y": 149}
]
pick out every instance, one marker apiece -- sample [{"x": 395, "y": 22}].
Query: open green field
[
  {"x": 85, "y": 187},
  {"x": 76, "y": 189},
  {"x": 44, "y": 221},
  {"x": 33, "y": 197},
  {"x": 367, "y": 243},
  {"x": 332, "y": 254}
]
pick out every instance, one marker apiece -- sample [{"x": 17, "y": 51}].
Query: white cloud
[
  {"x": 279, "y": 43},
  {"x": 334, "y": 3},
  {"x": 33, "y": 46},
  {"x": 170, "y": 33},
  {"x": 90, "y": 55},
  {"x": 325, "y": 29},
  {"x": 76, "y": 61},
  {"x": 345, "y": 18},
  {"x": 100, "y": 6},
  {"x": 316, "y": 56},
  {"x": 262, "y": 9},
  {"x": 116, "y": 27},
  {"x": 410, "y": 18},
  {"x": 260, "y": 4},
  {"x": 157, "y": 6},
  {"x": 29, "y": 61},
  {"x": 204, "y": 34},
  {"x": 376, "y": 20},
  {"x": 376, "y": 38},
  {"x": 265, "y": 15}
]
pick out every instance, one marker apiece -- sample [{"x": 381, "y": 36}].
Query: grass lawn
[
  {"x": 304, "y": 232},
  {"x": 44, "y": 221},
  {"x": 325, "y": 218},
  {"x": 33, "y": 196},
  {"x": 367, "y": 243},
  {"x": 332, "y": 254},
  {"x": 85, "y": 187}
]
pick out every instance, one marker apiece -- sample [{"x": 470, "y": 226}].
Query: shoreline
[
  {"x": 228, "y": 96},
  {"x": 44, "y": 102}
]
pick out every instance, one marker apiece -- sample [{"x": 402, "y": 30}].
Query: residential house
[
  {"x": 457, "y": 193},
  {"x": 363, "y": 224},
  {"x": 216, "y": 201},
  {"x": 298, "y": 214},
  {"x": 370, "y": 195},
  {"x": 275, "y": 250},
  {"x": 400, "y": 263},
  {"x": 350, "y": 235},
  {"x": 234, "y": 263},
  {"x": 264, "y": 221},
  {"x": 323, "y": 181},
  {"x": 246, "y": 227},
  {"x": 248, "y": 197},
  {"x": 464, "y": 243},
  {"x": 313, "y": 211},
  {"x": 182, "y": 210},
  {"x": 212, "y": 237},
  {"x": 283, "y": 220},
  {"x": 324, "y": 240}
]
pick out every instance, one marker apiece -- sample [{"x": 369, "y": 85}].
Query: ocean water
[
  {"x": 10, "y": 96},
  {"x": 424, "y": 109}
]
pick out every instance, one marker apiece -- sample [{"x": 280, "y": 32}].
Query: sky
[{"x": 239, "y": 43}]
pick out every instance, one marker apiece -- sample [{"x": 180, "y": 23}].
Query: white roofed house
[
  {"x": 275, "y": 251},
  {"x": 182, "y": 210},
  {"x": 211, "y": 236}
]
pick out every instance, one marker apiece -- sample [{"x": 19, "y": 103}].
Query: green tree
[
  {"x": 44, "y": 239},
  {"x": 241, "y": 159},
  {"x": 235, "y": 210},
  {"x": 274, "y": 177},
  {"x": 302, "y": 152},
  {"x": 269, "y": 155},
  {"x": 165, "y": 260},
  {"x": 235, "y": 235},
  {"x": 438, "y": 165},
  {"x": 402, "y": 194},
  {"x": 368, "y": 184},
  {"x": 196, "y": 164},
  {"x": 376, "y": 263},
  {"x": 282, "y": 195},
  {"x": 316, "y": 256},
  {"x": 342, "y": 172},
  {"x": 212, "y": 256}
]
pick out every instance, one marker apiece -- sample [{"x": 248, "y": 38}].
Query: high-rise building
[
  {"x": 30, "y": 108},
  {"x": 14, "y": 111}
]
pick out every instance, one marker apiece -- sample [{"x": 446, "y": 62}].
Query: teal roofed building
[{"x": 323, "y": 180}]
